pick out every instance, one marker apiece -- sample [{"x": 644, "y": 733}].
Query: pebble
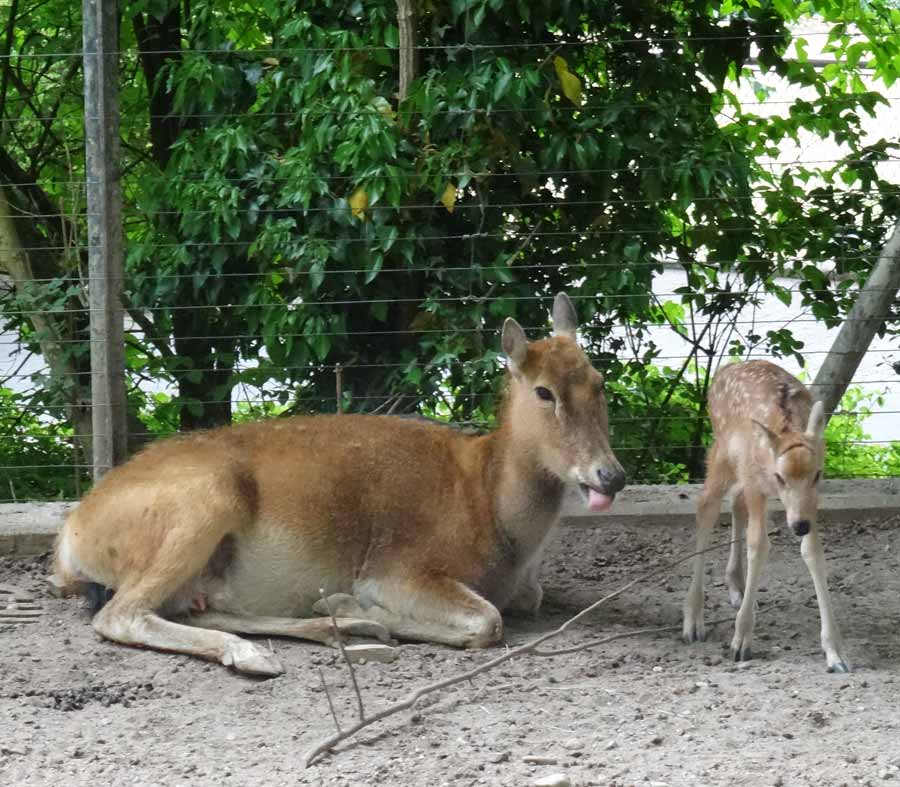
[
  {"x": 611, "y": 745},
  {"x": 360, "y": 654},
  {"x": 573, "y": 744},
  {"x": 537, "y": 759},
  {"x": 553, "y": 780}
]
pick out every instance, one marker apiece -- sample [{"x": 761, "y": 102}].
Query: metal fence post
[{"x": 104, "y": 204}]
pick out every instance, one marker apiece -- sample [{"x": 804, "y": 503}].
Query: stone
[
  {"x": 371, "y": 651},
  {"x": 552, "y": 780},
  {"x": 537, "y": 759}
]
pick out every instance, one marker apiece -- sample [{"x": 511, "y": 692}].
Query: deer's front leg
[
  {"x": 757, "y": 556},
  {"x": 832, "y": 644},
  {"x": 708, "y": 507},
  {"x": 422, "y": 609},
  {"x": 530, "y": 593}
]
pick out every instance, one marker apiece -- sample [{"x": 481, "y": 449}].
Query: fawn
[
  {"x": 413, "y": 529},
  {"x": 768, "y": 441}
]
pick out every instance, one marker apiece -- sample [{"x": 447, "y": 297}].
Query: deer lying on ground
[
  {"x": 768, "y": 441},
  {"x": 414, "y": 530}
]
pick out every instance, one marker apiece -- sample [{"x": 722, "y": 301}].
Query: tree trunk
[
  {"x": 52, "y": 333},
  {"x": 407, "y": 27},
  {"x": 870, "y": 310}
]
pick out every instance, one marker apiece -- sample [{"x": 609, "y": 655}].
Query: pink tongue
[{"x": 597, "y": 501}]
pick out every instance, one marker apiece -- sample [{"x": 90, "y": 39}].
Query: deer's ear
[
  {"x": 565, "y": 320},
  {"x": 815, "y": 426},
  {"x": 766, "y": 435},
  {"x": 515, "y": 345}
]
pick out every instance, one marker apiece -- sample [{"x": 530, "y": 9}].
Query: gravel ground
[{"x": 644, "y": 711}]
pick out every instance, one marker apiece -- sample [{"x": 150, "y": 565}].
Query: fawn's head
[
  {"x": 556, "y": 407},
  {"x": 796, "y": 468}
]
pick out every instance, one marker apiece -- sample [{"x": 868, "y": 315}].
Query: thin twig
[
  {"x": 328, "y": 697},
  {"x": 510, "y": 653},
  {"x": 340, "y": 644},
  {"x": 622, "y": 635}
]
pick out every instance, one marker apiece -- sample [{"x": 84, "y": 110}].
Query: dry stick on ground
[
  {"x": 340, "y": 644},
  {"x": 328, "y": 697},
  {"x": 528, "y": 647},
  {"x": 622, "y": 635}
]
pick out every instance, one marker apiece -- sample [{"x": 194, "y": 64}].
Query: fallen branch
[
  {"x": 340, "y": 644},
  {"x": 511, "y": 653}
]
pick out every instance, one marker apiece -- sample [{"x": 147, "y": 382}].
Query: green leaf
[{"x": 632, "y": 250}]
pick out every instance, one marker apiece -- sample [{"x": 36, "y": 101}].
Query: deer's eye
[
  {"x": 545, "y": 393},
  {"x": 779, "y": 479}
]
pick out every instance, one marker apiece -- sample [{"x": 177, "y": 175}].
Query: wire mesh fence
[{"x": 300, "y": 239}]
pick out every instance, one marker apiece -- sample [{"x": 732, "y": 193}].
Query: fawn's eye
[
  {"x": 545, "y": 393},
  {"x": 779, "y": 479}
]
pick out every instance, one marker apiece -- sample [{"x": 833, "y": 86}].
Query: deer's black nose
[
  {"x": 611, "y": 480},
  {"x": 800, "y": 527}
]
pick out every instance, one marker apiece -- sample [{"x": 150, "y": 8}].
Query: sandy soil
[{"x": 647, "y": 711}]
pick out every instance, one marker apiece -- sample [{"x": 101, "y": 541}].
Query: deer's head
[
  {"x": 796, "y": 468},
  {"x": 556, "y": 407}
]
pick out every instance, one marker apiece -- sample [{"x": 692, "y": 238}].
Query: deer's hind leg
[
  {"x": 719, "y": 477},
  {"x": 736, "y": 570},
  {"x": 312, "y": 629},
  {"x": 198, "y": 519}
]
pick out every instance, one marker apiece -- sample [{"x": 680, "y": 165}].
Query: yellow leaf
[
  {"x": 571, "y": 84},
  {"x": 359, "y": 201},
  {"x": 383, "y": 106},
  {"x": 448, "y": 198}
]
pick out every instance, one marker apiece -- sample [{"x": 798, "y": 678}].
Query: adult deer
[
  {"x": 414, "y": 529},
  {"x": 768, "y": 441}
]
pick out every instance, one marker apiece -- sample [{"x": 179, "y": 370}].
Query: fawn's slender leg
[
  {"x": 718, "y": 478},
  {"x": 757, "y": 557},
  {"x": 832, "y": 643},
  {"x": 736, "y": 570}
]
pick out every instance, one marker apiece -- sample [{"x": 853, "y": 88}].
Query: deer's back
[
  {"x": 757, "y": 390},
  {"x": 349, "y": 488}
]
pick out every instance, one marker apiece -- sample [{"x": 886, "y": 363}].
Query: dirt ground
[{"x": 646, "y": 711}]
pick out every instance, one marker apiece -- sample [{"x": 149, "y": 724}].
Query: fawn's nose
[
  {"x": 800, "y": 527},
  {"x": 611, "y": 480}
]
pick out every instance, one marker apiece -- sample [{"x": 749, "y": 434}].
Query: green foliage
[
  {"x": 850, "y": 450},
  {"x": 38, "y": 464},
  {"x": 286, "y": 213}
]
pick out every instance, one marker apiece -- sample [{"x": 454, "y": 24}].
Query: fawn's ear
[
  {"x": 565, "y": 320},
  {"x": 815, "y": 427},
  {"x": 765, "y": 435},
  {"x": 514, "y": 344}
]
